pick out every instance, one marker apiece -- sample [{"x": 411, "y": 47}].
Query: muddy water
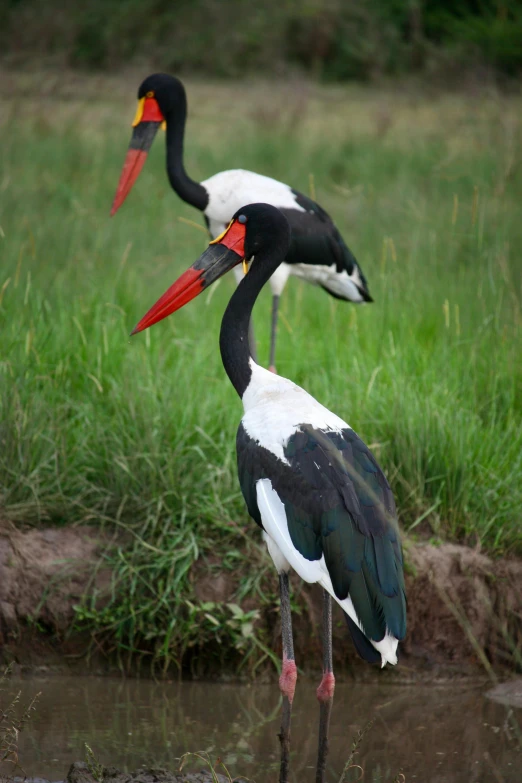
[{"x": 434, "y": 734}]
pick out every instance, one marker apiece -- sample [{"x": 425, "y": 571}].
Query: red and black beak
[
  {"x": 222, "y": 254},
  {"x": 146, "y": 123}
]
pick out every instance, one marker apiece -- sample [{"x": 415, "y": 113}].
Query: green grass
[{"x": 139, "y": 434}]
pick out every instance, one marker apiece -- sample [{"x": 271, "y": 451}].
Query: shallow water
[{"x": 435, "y": 734}]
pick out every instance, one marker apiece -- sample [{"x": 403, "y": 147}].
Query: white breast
[
  {"x": 275, "y": 408},
  {"x": 228, "y": 191}
]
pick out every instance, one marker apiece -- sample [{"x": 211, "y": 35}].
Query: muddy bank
[{"x": 464, "y": 609}]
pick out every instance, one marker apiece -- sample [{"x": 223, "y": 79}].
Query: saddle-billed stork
[
  {"x": 317, "y": 252},
  {"x": 323, "y": 503}
]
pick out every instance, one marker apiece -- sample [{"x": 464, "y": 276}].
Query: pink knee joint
[
  {"x": 325, "y": 691},
  {"x": 288, "y": 679}
]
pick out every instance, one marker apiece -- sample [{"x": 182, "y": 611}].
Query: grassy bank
[{"x": 139, "y": 435}]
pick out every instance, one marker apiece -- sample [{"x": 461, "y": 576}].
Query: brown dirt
[
  {"x": 43, "y": 574},
  {"x": 461, "y": 602},
  {"x": 464, "y": 609}
]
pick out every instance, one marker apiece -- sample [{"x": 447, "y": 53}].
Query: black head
[
  {"x": 167, "y": 90},
  {"x": 161, "y": 99},
  {"x": 265, "y": 227}
]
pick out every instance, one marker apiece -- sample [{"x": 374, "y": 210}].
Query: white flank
[
  {"x": 339, "y": 283},
  {"x": 281, "y": 563},
  {"x": 279, "y": 278},
  {"x": 283, "y": 553},
  {"x": 275, "y": 408},
  {"x": 238, "y": 272}
]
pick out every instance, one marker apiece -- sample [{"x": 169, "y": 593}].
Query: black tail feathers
[{"x": 362, "y": 644}]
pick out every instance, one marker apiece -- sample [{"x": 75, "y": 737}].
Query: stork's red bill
[
  {"x": 148, "y": 119},
  {"x": 222, "y": 254}
]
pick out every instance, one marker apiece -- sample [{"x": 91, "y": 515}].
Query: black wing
[
  {"x": 338, "y": 503},
  {"x": 317, "y": 241}
]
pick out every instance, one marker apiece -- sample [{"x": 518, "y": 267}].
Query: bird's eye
[
  {"x": 242, "y": 219},
  {"x": 150, "y": 94}
]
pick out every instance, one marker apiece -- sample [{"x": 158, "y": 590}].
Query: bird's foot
[
  {"x": 272, "y": 369},
  {"x": 288, "y": 679},
  {"x": 325, "y": 691}
]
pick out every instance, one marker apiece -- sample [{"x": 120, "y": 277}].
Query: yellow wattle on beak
[
  {"x": 139, "y": 112},
  {"x": 220, "y": 237}
]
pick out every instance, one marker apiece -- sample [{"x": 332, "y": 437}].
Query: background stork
[
  {"x": 317, "y": 252},
  {"x": 310, "y": 483}
]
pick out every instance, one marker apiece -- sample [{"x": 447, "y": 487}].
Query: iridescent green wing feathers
[{"x": 338, "y": 504}]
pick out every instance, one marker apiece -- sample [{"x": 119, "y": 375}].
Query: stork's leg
[
  {"x": 273, "y": 332},
  {"x": 288, "y": 676},
  {"x": 325, "y": 691}
]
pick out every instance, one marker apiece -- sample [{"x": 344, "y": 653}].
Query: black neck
[
  {"x": 233, "y": 338},
  {"x": 186, "y": 188}
]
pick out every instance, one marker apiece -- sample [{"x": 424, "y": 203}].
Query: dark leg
[
  {"x": 252, "y": 341},
  {"x": 325, "y": 691},
  {"x": 273, "y": 333},
  {"x": 288, "y": 676}
]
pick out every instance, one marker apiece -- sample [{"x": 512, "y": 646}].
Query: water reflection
[{"x": 448, "y": 735}]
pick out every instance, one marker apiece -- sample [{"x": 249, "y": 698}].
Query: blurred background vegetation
[{"x": 331, "y": 39}]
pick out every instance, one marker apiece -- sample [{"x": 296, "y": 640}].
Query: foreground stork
[
  {"x": 310, "y": 483},
  {"x": 317, "y": 252}
]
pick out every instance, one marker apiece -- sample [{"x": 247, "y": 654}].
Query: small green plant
[
  {"x": 221, "y": 628},
  {"x": 356, "y": 744},
  {"x": 12, "y": 723},
  {"x": 351, "y": 763},
  {"x": 93, "y": 765}
]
